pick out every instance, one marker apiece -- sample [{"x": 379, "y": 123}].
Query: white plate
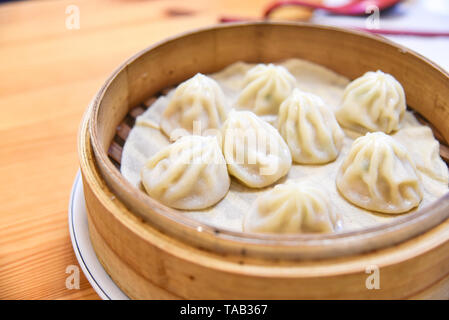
[{"x": 87, "y": 259}]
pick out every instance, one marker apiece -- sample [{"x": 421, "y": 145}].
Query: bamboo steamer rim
[{"x": 303, "y": 246}]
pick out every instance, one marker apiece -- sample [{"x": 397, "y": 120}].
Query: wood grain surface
[{"x": 48, "y": 76}]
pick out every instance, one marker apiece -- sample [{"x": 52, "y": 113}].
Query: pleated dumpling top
[
  {"x": 198, "y": 102},
  {"x": 189, "y": 174},
  {"x": 379, "y": 175},
  {"x": 292, "y": 208},
  {"x": 310, "y": 129},
  {"x": 255, "y": 152},
  {"x": 265, "y": 87},
  {"x": 373, "y": 102}
]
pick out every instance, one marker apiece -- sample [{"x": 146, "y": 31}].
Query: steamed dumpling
[
  {"x": 265, "y": 87},
  {"x": 292, "y": 208},
  {"x": 309, "y": 128},
  {"x": 255, "y": 152},
  {"x": 373, "y": 102},
  {"x": 188, "y": 174},
  {"x": 379, "y": 175},
  {"x": 197, "y": 104}
]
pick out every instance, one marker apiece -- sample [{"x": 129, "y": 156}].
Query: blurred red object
[
  {"x": 352, "y": 8},
  {"x": 355, "y": 7}
]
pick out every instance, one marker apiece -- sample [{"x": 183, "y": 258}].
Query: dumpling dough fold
[
  {"x": 189, "y": 174},
  {"x": 265, "y": 87},
  {"x": 292, "y": 208},
  {"x": 197, "y": 106},
  {"x": 255, "y": 152},
  {"x": 310, "y": 129},
  {"x": 379, "y": 175},
  {"x": 373, "y": 102}
]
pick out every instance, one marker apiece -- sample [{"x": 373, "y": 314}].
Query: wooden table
[{"x": 48, "y": 75}]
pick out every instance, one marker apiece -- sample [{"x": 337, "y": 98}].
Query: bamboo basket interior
[{"x": 135, "y": 85}]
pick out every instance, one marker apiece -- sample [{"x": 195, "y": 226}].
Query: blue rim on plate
[{"x": 85, "y": 254}]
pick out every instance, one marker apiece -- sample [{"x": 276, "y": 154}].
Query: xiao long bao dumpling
[
  {"x": 292, "y": 208},
  {"x": 188, "y": 174},
  {"x": 199, "y": 102},
  {"x": 255, "y": 152},
  {"x": 373, "y": 102},
  {"x": 379, "y": 175},
  {"x": 265, "y": 87},
  {"x": 310, "y": 129}
]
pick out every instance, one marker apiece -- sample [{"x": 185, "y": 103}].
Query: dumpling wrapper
[
  {"x": 373, "y": 102},
  {"x": 291, "y": 208},
  {"x": 265, "y": 87},
  {"x": 378, "y": 174},
  {"x": 310, "y": 129},
  {"x": 197, "y": 105},
  {"x": 189, "y": 174},
  {"x": 255, "y": 152}
]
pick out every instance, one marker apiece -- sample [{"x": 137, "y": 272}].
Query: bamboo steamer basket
[{"x": 154, "y": 252}]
